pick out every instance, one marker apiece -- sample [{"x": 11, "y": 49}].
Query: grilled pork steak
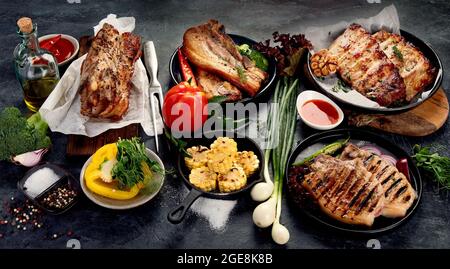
[
  {"x": 106, "y": 73},
  {"x": 208, "y": 47},
  {"x": 398, "y": 192},
  {"x": 364, "y": 66},
  {"x": 414, "y": 67},
  {"x": 345, "y": 190},
  {"x": 212, "y": 85}
]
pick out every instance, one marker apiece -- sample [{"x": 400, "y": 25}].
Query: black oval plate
[
  {"x": 427, "y": 51},
  {"x": 381, "y": 224},
  {"x": 243, "y": 143},
  {"x": 174, "y": 69}
]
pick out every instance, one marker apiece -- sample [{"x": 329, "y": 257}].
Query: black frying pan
[{"x": 177, "y": 214}]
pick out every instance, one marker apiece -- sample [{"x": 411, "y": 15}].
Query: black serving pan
[
  {"x": 428, "y": 52},
  {"x": 65, "y": 178},
  {"x": 358, "y": 137},
  {"x": 177, "y": 214},
  {"x": 175, "y": 72}
]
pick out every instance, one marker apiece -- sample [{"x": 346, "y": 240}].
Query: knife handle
[{"x": 151, "y": 61}]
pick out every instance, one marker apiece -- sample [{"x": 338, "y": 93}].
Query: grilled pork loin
[
  {"x": 398, "y": 192},
  {"x": 345, "y": 190},
  {"x": 364, "y": 66},
  {"x": 208, "y": 47},
  {"x": 414, "y": 67},
  {"x": 212, "y": 85},
  {"x": 106, "y": 73}
]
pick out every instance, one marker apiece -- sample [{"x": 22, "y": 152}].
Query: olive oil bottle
[{"x": 36, "y": 69}]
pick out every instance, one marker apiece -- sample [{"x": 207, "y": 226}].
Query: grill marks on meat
[
  {"x": 213, "y": 86},
  {"x": 397, "y": 190},
  {"x": 365, "y": 67},
  {"x": 344, "y": 190},
  {"x": 209, "y": 48},
  {"x": 106, "y": 74},
  {"x": 414, "y": 67},
  {"x": 357, "y": 187}
]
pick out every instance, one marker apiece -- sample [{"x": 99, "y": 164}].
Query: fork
[{"x": 151, "y": 61}]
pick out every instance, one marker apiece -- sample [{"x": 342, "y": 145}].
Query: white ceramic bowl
[
  {"x": 72, "y": 40},
  {"x": 145, "y": 195},
  {"x": 306, "y": 96}
]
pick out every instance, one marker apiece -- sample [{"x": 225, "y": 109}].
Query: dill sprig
[{"x": 131, "y": 156}]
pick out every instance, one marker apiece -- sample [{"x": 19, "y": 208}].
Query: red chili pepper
[
  {"x": 186, "y": 69},
  {"x": 402, "y": 166},
  {"x": 48, "y": 43}
]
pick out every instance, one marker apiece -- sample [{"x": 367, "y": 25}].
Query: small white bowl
[
  {"x": 143, "y": 197},
  {"x": 306, "y": 96},
  {"x": 72, "y": 40}
]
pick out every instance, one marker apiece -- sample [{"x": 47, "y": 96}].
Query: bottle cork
[{"x": 25, "y": 25}]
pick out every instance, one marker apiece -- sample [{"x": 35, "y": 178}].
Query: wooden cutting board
[
  {"x": 79, "y": 145},
  {"x": 422, "y": 120}
]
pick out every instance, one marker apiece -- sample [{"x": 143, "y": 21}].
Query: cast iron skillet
[
  {"x": 174, "y": 69},
  {"x": 427, "y": 51},
  {"x": 177, "y": 214},
  {"x": 381, "y": 224}
]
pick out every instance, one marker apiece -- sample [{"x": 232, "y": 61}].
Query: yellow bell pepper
[{"x": 93, "y": 176}]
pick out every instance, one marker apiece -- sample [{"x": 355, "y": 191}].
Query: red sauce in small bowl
[
  {"x": 60, "y": 47},
  {"x": 319, "y": 112}
]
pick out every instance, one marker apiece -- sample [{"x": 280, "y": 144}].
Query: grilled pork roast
[
  {"x": 397, "y": 190},
  {"x": 414, "y": 67},
  {"x": 106, "y": 73},
  {"x": 355, "y": 188},
  {"x": 345, "y": 190},
  {"x": 209, "y": 48},
  {"x": 364, "y": 66},
  {"x": 213, "y": 86},
  {"x": 383, "y": 66}
]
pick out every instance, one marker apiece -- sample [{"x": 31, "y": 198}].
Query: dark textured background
[{"x": 164, "y": 22}]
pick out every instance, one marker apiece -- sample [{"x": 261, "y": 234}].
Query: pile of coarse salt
[
  {"x": 217, "y": 212},
  {"x": 39, "y": 181}
]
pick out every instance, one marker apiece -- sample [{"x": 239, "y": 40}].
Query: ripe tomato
[{"x": 183, "y": 108}]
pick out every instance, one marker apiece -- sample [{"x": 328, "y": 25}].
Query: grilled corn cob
[
  {"x": 220, "y": 162},
  {"x": 203, "y": 178},
  {"x": 248, "y": 161},
  {"x": 198, "y": 157},
  {"x": 235, "y": 179},
  {"x": 226, "y": 145}
]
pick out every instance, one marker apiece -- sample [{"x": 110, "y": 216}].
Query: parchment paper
[
  {"x": 322, "y": 37},
  {"x": 61, "y": 110}
]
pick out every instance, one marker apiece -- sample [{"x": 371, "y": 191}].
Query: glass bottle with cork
[{"x": 36, "y": 69}]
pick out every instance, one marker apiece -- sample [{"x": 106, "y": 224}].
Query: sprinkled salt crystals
[{"x": 217, "y": 212}]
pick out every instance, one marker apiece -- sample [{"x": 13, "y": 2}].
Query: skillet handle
[{"x": 177, "y": 214}]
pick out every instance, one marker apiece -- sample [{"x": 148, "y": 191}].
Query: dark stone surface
[{"x": 164, "y": 22}]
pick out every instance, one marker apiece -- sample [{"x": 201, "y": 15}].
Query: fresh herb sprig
[
  {"x": 241, "y": 74},
  {"x": 340, "y": 86},
  {"x": 397, "y": 53},
  {"x": 131, "y": 156},
  {"x": 433, "y": 163}
]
